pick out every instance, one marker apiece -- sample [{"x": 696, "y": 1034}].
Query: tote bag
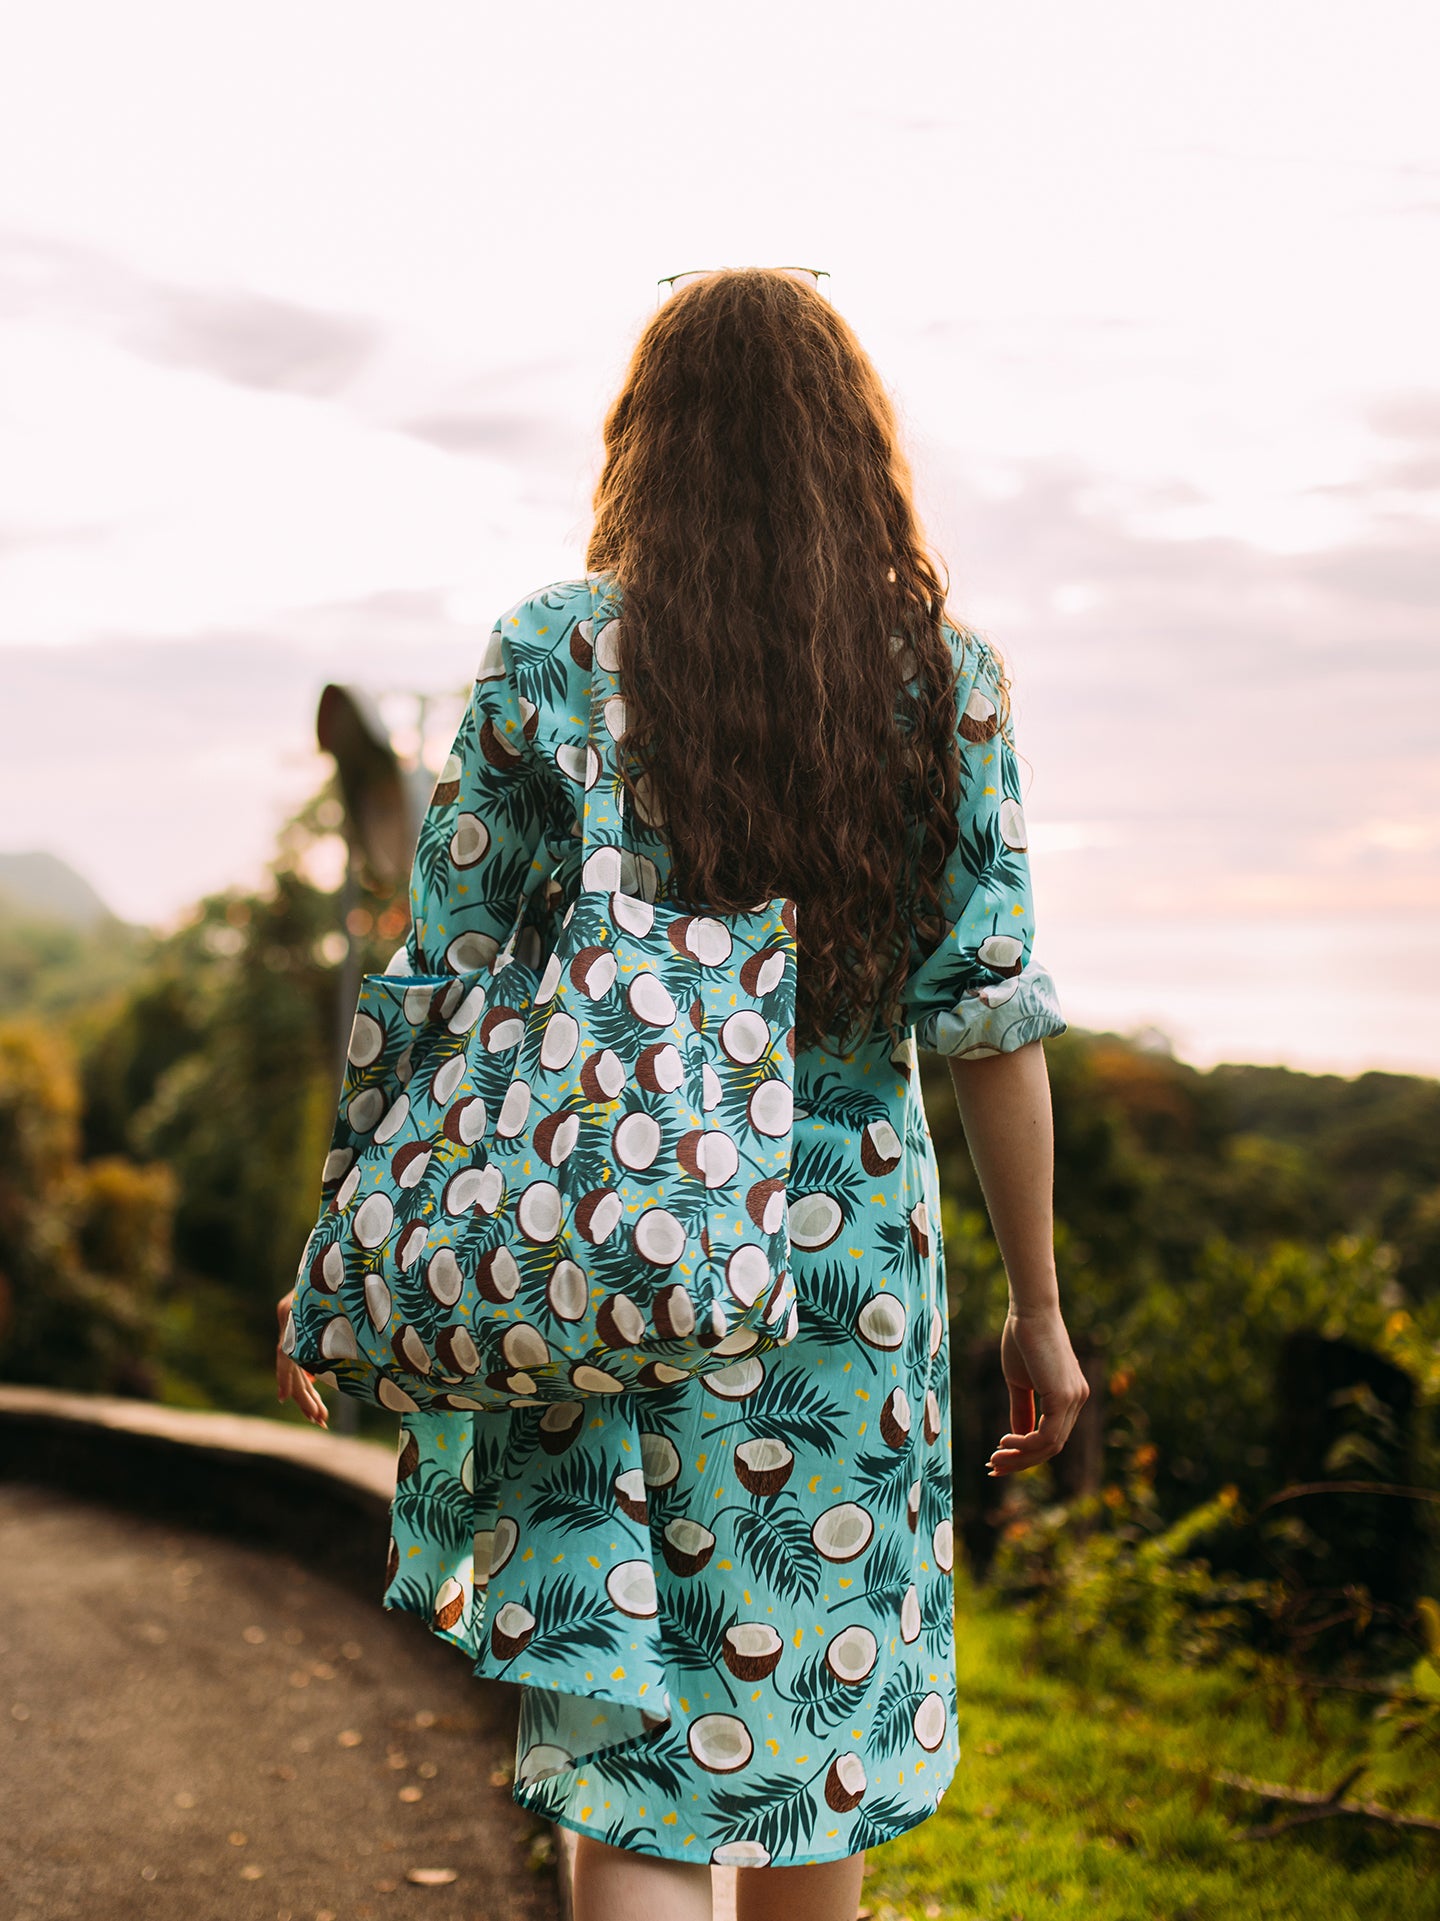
[{"x": 548, "y": 1183}]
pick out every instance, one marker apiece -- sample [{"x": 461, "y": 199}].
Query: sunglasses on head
[{"x": 817, "y": 277}]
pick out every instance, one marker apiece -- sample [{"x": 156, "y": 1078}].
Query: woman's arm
[{"x": 1004, "y": 1102}]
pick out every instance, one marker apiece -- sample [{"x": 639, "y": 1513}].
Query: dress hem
[{"x": 534, "y": 1805}]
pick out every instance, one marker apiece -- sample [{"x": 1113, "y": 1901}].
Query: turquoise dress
[{"x": 728, "y": 1604}]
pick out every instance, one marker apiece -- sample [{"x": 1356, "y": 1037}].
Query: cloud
[
  {"x": 248, "y": 339},
  {"x": 1236, "y": 731}
]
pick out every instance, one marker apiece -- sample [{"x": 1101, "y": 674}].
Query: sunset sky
[{"x": 309, "y": 314}]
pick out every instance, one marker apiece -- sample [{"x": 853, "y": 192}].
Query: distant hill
[{"x": 43, "y": 887}]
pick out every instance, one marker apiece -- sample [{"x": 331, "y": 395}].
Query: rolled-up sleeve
[{"x": 982, "y": 991}]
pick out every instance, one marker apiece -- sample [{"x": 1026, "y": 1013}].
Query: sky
[{"x": 310, "y": 313}]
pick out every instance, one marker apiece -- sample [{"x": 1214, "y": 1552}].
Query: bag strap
[{"x": 602, "y": 823}]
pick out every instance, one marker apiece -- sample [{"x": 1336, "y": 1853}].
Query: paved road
[{"x": 194, "y": 1728}]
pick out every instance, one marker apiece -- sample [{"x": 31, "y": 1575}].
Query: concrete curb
[{"x": 318, "y": 1495}]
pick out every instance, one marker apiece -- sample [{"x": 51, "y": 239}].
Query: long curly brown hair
[{"x": 790, "y": 690}]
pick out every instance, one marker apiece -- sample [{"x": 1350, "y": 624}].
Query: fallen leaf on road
[
  {"x": 237, "y": 1838},
  {"x": 250, "y": 1872},
  {"x": 254, "y": 1636},
  {"x": 350, "y": 1737},
  {"x": 431, "y": 1877},
  {"x": 412, "y": 1794}
]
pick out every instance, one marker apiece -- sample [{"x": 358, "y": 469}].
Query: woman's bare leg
[
  {"x": 827, "y": 1892},
  {"x": 613, "y": 1884}
]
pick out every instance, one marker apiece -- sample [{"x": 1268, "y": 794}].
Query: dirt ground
[{"x": 190, "y": 1727}]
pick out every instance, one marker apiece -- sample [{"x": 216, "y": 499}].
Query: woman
[{"x": 800, "y": 719}]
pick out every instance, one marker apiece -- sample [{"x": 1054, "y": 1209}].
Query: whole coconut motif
[
  {"x": 470, "y": 842},
  {"x": 765, "y": 1204},
  {"x": 513, "y": 1629},
  {"x": 449, "y": 1605},
  {"x": 843, "y": 1532},
  {"x": 687, "y": 1546},
  {"x": 631, "y": 1588},
  {"x": 456, "y": 1351},
  {"x": 851, "y": 1655},
  {"x": 1003, "y": 953},
  {"x": 881, "y": 1322},
  {"x": 763, "y": 972},
  {"x": 845, "y": 1784},
  {"x": 880, "y": 1148},
  {"x": 720, "y": 1743},
  {"x": 980, "y": 721},
  {"x": 930, "y": 1722},
  {"x": 500, "y": 752},
  {"x": 497, "y": 1275},
  {"x": 561, "y": 1425},
  {"x": 659, "y": 1461},
  {"x": 629, "y": 1491},
  {"x": 763, "y": 1466},
  {"x": 447, "y": 788},
  {"x": 465, "y": 1122},
  {"x": 815, "y": 1221},
  {"x": 895, "y": 1419},
  {"x": 752, "y": 1650}
]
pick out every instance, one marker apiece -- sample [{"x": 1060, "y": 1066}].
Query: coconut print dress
[{"x": 728, "y": 1603}]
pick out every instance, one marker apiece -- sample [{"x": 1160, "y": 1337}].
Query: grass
[{"x": 1074, "y": 1800}]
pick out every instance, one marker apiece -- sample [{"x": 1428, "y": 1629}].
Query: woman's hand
[
  {"x": 1040, "y": 1366},
  {"x": 293, "y": 1382}
]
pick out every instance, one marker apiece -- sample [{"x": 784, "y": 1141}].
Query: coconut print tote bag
[{"x": 551, "y": 1183}]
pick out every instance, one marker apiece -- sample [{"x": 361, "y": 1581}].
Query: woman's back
[{"x": 730, "y": 1604}]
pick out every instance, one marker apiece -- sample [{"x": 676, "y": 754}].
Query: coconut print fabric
[{"x": 729, "y": 1602}]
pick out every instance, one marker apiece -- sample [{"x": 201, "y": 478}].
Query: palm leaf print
[
  {"x": 568, "y": 1621},
  {"x": 896, "y": 1247},
  {"x": 880, "y": 1821},
  {"x": 543, "y": 679},
  {"x": 623, "y": 1834},
  {"x": 693, "y": 1621},
  {"x": 792, "y": 1408},
  {"x": 778, "y": 1546},
  {"x": 574, "y": 1496},
  {"x": 895, "y": 1711},
  {"x": 917, "y": 1343},
  {"x": 834, "y": 1296},
  {"x": 882, "y": 1475},
  {"x": 426, "y": 1506},
  {"x": 829, "y": 1168},
  {"x": 888, "y": 1571},
  {"x": 410, "y": 1596},
  {"x": 659, "y": 1766},
  {"x": 825, "y": 1097},
  {"x": 609, "y": 1023},
  {"x": 778, "y": 1812},
  {"x": 432, "y": 852},
  {"x": 936, "y": 1482},
  {"x": 987, "y": 857},
  {"x": 667, "y": 1412},
  {"x": 519, "y": 1440},
  {"x": 823, "y": 1699}
]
